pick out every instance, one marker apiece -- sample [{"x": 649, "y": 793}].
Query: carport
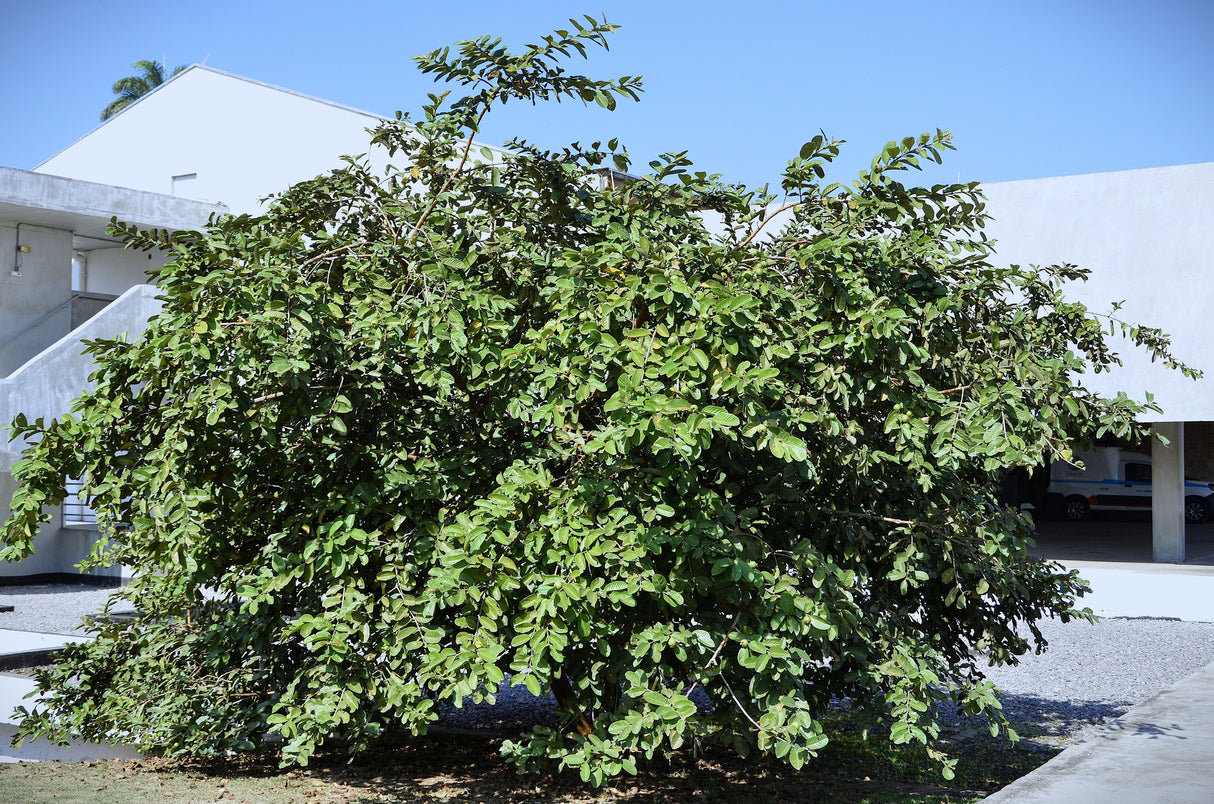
[{"x": 1148, "y": 238}]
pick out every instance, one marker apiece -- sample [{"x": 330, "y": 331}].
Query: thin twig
[
  {"x": 331, "y": 252},
  {"x": 447, "y": 184},
  {"x": 766, "y": 221},
  {"x": 716, "y": 654},
  {"x": 879, "y": 518},
  {"x": 741, "y": 708}
]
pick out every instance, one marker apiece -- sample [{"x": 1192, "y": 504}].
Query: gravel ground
[
  {"x": 51, "y": 608},
  {"x": 1090, "y": 673}
]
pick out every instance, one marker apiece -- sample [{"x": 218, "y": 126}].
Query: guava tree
[{"x": 637, "y": 441}]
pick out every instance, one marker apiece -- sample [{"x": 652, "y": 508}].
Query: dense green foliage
[{"x": 413, "y": 432}]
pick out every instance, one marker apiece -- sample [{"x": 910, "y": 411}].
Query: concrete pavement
[
  {"x": 1161, "y": 751},
  {"x": 21, "y": 641},
  {"x": 1165, "y": 591}
]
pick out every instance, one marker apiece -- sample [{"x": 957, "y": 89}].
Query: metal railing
[
  {"x": 77, "y": 511},
  {"x": 50, "y": 327}
]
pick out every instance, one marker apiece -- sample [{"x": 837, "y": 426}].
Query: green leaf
[{"x": 533, "y": 685}]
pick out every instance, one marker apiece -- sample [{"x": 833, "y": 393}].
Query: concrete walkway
[
  {"x": 1160, "y": 751},
  {"x": 1166, "y": 591},
  {"x": 22, "y": 641}
]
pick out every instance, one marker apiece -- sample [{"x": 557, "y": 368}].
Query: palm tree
[{"x": 134, "y": 87}]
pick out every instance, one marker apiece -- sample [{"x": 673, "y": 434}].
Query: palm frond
[
  {"x": 115, "y": 107},
  {"x": 133, "y": 87},
  {"x": 153, "y": 72}
]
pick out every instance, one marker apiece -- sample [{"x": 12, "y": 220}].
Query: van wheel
[
  {"x": 1196, "y": 509},
  {"x": 1076, "y": 508}
]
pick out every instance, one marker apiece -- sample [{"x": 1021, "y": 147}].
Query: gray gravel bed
[
  {"x": 1115, "y": 660},
  {"x": 51, "y": 608},
  {"x": 1089, "y": 674}
]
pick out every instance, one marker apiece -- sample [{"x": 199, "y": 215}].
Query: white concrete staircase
[{"x": 45, "y": 386}]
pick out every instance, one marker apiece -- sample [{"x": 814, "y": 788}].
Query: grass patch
[{"x": 466, "y": 769}]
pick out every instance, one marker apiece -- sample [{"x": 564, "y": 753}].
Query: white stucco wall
[
  {"x": 1148, "y": 238},
  {"x": 241, "y": 138},
  {"x": 32, "y": 283},
  {"x": 113, "y": 270}
]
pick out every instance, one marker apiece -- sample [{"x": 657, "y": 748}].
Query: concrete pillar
[{"x": 1167, "y": 493}]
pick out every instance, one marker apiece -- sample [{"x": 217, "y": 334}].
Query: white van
[{"x": 1113, "y": 479}]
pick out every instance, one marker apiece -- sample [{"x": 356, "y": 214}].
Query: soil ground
[{"x": 468, "y": 769}]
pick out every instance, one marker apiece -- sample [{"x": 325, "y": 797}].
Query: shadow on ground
[{"x": 1116, "y": 537}]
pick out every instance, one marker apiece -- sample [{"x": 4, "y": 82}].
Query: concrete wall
[
  {"x": 43, "y": 284},
  {"x": 1148, "y": 238},
  {"x": 35, "y": 307},
  {"x": 114, "y": 269},
  {"x": 87, "y": 206},
  {"x": 48, "y": 222}
]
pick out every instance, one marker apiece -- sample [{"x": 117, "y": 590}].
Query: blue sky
[{"x": 1028, "y": 88}]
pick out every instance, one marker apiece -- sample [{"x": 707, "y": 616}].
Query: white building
[
  {"x": 213, "y": 136},
  {"x": 203, "y": 142},
  {"x": 63, "y": 278},
  {"x": 1148, "y": 238}
]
